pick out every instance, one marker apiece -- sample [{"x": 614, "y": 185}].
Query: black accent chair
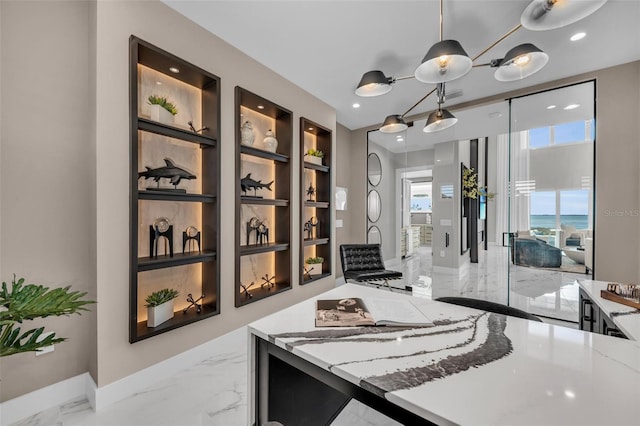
[
  {"x": 363, "y": 263},
  {"x": 485, "y": 305},
  {"x": 535, "y": 252}
]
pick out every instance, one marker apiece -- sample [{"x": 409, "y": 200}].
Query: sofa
[
  {"x": 569, "y": 236},
  {"x": 527, "y": 250}
]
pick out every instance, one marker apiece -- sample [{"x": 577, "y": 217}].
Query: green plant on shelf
[
  {"x": 482, "y": 191},
  {"x": 157, "y": 298},
  {"x": 315, "y": 153},
  {"x": 314, "y": 260},
  {"x": 164, "y": 103},
  {"x": 28, "y": 302},
  {"x": 470, "y": 183}
]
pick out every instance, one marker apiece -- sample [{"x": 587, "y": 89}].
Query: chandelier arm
[
  {"x": 441, "y": 20},
  {"x": 406, "y": 77},
  {"x": 419, "y": 102},
  {"x": 488, "y": 64},
  {"x": 492, "y": 45}
]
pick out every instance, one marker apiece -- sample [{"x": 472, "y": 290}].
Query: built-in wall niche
[
  {"x": 317, "y": 196},
  {"x": 174, "y": 184},
  {"x": 263, "y": 192}
]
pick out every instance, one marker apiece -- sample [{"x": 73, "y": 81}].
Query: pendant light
[
  {"x": 521, "y": 62},
  {"x": 542, "y": 15},
  {"x": 439, "y": 120},
  {"x": 393, "y": 124},
  {"x": 374, "y": 83}
]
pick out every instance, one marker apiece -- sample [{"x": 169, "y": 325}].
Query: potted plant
[
  {"x": 314, "y": 265},
  {"x": 314, "y": 156},
  {"x": 162, "y": 110},
  {"x": 28, "y": 302},
  {"x": 160, "y": 306}
]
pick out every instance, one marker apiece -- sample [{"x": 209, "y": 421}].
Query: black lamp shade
[
  {"x": 373, "y": 83},
  {"x": 439, "y": 120},
  {"x": 542, "y": 15},
  {"x": 393, "y": 124},
  {"x": 445, "y": 61},
  {"x": 521, "y": 62}
]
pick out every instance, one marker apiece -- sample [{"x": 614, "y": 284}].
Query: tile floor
[{"x": 214, "y": 392}]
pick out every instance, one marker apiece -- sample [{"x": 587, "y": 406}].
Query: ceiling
[{"x": 325, "y": 46}]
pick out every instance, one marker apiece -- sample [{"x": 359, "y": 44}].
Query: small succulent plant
[
  {"x": 157, "y": 298},
  {"x": 313, "y": 260},
  {"x": 315, "y": 153},
  {"x": 164, "y": 103}
]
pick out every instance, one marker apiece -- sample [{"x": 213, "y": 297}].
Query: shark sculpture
[
  {"x": 172, "y": 172},
  {"x": 246, "y": 183}
]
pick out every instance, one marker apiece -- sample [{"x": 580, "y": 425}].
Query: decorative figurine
[
  {"x": 309, "y": 225},
  {"x": 193, "y": 129},
  {"x": 268, "y": 282},
  {"x": 306, "y": 275},
  {"x": 247, "y": 183},
  {"x": 270, "y": 143},
  {"x": 193, "y": 303},
  {"x": 160, "y": 228},
  {"x": 170, "y": 171},
  {"x": 252, "y": 225},
  {"x": 262, "y": 234},
  {"x": 247, "y": 135},
  {"x": 190, "y": 235},
  {"x": 311, "y": 192},
  {"x": 245, "y": 289}
]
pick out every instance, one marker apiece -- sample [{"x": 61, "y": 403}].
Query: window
[{"x": 575, "y": 131}]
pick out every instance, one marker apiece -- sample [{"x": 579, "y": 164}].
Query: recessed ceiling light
[
  {"x": 437, "y": 161},
  {"x": 159, "y": 83},
  {"x": 310, "y": 128},
  {"x": 578, "y": 36},
  {"x": 572, "y": 106},
  {"x": 551, "y": 107},
  {"x": 400, "y": 139},
  {"x": 495, "y": 114},
  {"x": 174, "y": 70},
  {"x": 260, "y": 106},
  {"x": 356, "y": 105}
]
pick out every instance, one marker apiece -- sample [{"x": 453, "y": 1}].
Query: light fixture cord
[
  {"x": 418, "y": 103},
  {"x": 441, "y": 20}
]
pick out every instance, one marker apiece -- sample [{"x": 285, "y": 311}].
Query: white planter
[
  {"x": 314, "y": 268},
  {"x": 161, "y": 115},
  {"x": 313, "y": 159},
  {"x": 159, "y": 314}
]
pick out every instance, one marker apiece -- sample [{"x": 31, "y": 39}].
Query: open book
[{"x": 355, "y": 312}]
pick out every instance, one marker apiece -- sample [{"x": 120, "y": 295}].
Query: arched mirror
[
  {"x": 374, "y": 206},
  {"x": 374, "y": 236},
  {"x": 374, "y": 169}
]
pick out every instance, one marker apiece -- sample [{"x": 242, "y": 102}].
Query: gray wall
[{"x": 387, "y": 188}]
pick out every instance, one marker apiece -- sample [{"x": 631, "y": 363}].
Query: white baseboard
[{"x": 50, "y": 396}]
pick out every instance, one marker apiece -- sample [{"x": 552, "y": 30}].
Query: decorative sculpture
[
  {"x": 307, "y": 273},
  {"x": 309, "y": 225},
  {"x": 190, "y": 235},
  {"x": 311, "y": 192},
  {"x": 193, "y": 129},
  {"x": 269, "y": 283},
  {"x": 261, "y": 230},
  {"x": 246, "y": 183},
  {"x": 245, "y": 289},
  {"x": 193, "y": 303},
  {"x": 160, "y": 228},
  {"x": 172, "y": 172}
]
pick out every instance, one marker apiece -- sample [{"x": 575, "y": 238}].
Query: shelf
[
  {"x": 164, "y": 261},
  {"x": 257, "y": 152},
  {"x": 174, "y": 132},
  {"x": 316, "y": 167},
  {"x": 317, "y": 204},
  {"x": 264, "y": 201},
  {"x": 315, "y": 278},
  {"x": 179, "y": 319},
  {"x": 175, "y": 196},
  {"x": 263, "y": 248},
  {"x": 259, "y": 293},
  {"x": 315, "y": 241}
]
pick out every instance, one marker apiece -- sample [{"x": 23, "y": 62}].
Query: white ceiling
[{"x": 325, "y": 46}]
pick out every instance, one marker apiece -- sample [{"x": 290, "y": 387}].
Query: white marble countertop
[
  {"x": 472, "y": 367},
  {"x": 626, "y": 318}
]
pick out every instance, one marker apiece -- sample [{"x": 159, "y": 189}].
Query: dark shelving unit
[
  {"x": 313, "y": 135},
  {"x": 275, "y": 255},
  {"x": 147, "y": 134}
]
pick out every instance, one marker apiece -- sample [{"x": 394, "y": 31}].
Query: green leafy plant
[
  {"x": 470, "y": 183},
  {"x": 314, "y": 260},
  {"x": 27, "y": 302},
  {"x": 159, "y": 297},
  {"x": 484, "y": 192},
  {"x": 164, "y": 103},
  {"x": 315, "y": 153}
]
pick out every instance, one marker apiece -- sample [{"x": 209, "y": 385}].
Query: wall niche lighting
[{"x": 447, "y": 60}]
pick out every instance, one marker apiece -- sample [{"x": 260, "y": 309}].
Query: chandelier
[{"x": 447, "y": 60}]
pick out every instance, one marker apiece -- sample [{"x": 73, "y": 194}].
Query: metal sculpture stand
[
  {"x": 193, "y": 303},
  {"x": 268, "y": 282},
  {"x": 186, "y": 238},
  {"x": 245, "y": 289},
  {"x": 262, "y": 234},
  {"x": 311, "y": 192},
  {"x": 309, "y": 225},
  {"x": 193, "y": 129},
  {"x": 307, "y": 273},
  {"x": 154, "y": 237}
]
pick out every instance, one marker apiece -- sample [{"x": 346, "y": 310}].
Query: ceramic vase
[
  {"x": 270, "y": 143},
  {"x": 247, "y": 135},
  {"x": 161, "y": 115},
  {"x": 159, "y": 314}
]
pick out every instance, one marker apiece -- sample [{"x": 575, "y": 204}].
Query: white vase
[
  {"x": 314, "y": 268},
  {"x": 270, "y": 143},
  {"x": 161, "y": 115},
  {"x": 313, "y": 159},
  {"x": 247, "y": 135},
  {"x": 159, "y": 314}
]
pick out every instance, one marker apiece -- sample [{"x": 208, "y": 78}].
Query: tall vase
[
  {"x": 270, "y": 142},
  {"x": 247, "y": 135}
]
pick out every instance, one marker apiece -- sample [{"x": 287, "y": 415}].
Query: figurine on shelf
[
  {"x": 311, "y": 192},
  {"x": 193, "y": 129},
  {"x": 172, "y": 172},
  {"x": 247, "y": 135},
  {"x": 253, "y": 225},
  {"x": 161, "y": 228},
  {"x": 244, "y": 289},
  {"x": 193, "y": 302},
  {"x": 309, "y": 225},
  {"x": 270, "y": 143},
  {"x": 307, "y": 273},
  {"x": 262, "y": 234},
  {"x": 246, "y": 183},
  {"x": 269, "y": 283},
  {"x": 191, "y": 235}
]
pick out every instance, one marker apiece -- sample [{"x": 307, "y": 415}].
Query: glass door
[{"x": 550, "y": 207}]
